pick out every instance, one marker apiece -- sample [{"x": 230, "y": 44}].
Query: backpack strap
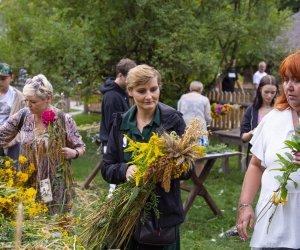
[{"x": 21, "y": 122}]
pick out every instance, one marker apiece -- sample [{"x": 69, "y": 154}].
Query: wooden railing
[{"x": 239, "y": 101}]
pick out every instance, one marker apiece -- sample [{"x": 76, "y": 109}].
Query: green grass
[
  {"x": 201, "y": 228},
  {"x": 86, "y": 118},
  {"x": 84, "y": 165}
]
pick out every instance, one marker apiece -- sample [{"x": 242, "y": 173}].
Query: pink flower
[
  {"x": 48, "y": 117},
  {"x": 219, "y": 109}
]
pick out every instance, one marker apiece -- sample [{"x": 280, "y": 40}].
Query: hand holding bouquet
[{"x": 160, "y": 160}]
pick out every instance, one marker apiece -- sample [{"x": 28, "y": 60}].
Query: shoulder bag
[{"x": 149, "y": 232}]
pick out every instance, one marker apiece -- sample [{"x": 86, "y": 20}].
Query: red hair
[{"x": 292, "y": 64}]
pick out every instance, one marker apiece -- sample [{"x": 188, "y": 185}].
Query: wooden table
[
  {"x": 233, "y": 137},
  {"x": 198, "y": 188}
]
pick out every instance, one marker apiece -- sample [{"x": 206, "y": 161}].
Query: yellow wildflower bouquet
[
  {"x": 158, "y": 161},
  {"x": 280, "y": 195},
  {"x": 14, "y": 188}
]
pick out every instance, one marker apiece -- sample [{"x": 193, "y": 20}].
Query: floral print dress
[{"x": 45, "y": 152}]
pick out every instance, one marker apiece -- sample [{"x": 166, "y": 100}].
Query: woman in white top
[{"x": 279, "y": 125}]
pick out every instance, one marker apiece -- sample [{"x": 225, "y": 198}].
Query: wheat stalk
[{"x": 19, "y": 223}]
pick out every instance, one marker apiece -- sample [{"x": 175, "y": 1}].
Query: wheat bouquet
[{"x": 160, "y": 160}]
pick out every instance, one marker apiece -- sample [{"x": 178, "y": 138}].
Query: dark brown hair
[
  {"x": 266, "y": 80},
  {"x": 124, "y": 65}
]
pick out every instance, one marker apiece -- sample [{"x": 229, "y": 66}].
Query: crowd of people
[{"x": 272, "y": 118}]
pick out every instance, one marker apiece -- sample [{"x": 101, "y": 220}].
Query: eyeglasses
[{"x": 3, "y": 78}]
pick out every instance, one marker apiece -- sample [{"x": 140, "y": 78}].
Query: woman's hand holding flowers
[
  {"x": 69, "y": 153},
  {"x": 130, "y": 172},
  {"x": 245, "y": 219}
]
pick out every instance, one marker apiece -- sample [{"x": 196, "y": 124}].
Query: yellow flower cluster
[
  {"x": 177, "y": 172},
  {"x": 143, "y": 154},
  {"x": 200, "y": 151},
  {"x": 154, "y": 160},
  {"x": 13, "y": 189},
  {"x": 278, "y": 199}
]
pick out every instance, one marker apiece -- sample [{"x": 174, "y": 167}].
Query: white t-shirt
[
  {"x": 6, "y": 103},
  {"x": 268, "y": 139},
  {"x": 257, "y": 77}
]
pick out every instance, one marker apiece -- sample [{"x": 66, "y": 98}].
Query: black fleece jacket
[
  {"x": 115, "y": 99},
  {"x": 250, "y": 119},
  {"x": 114, "y": 168}
]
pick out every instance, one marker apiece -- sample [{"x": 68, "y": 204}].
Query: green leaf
[
  {"x": 294, "y": 146},
  {"x": 295, "y": 183},
  {"x": 284, "y": 192},
  {"x": 134, "y": 194},
  {"x": 290, "y": 156},
  {"x": 279, "y": 178},
  {"x": 278, "y": 169}
]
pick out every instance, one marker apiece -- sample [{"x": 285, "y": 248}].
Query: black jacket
[
  {"x": 249, "y": 122},
  {"x": 114, "y": 168},
  {"x": 250, "y": 119},
  {"x": 115, "y": 99}
]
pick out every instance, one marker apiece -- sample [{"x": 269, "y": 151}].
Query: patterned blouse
[{"x": 46, "y": 155}]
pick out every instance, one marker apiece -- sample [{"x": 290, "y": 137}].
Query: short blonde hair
[
  {"x": 140, "y": 75},
  {"x": 196, "y": 86},
  {"x": 38, "y": 86}
]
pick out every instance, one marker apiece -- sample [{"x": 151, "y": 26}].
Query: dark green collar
[{"x": 129, "y": 119}]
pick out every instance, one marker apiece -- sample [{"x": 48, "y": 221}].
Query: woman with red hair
[{"x": 280, "y": 230}]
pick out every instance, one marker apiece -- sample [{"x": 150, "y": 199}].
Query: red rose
[{"x": 48, "y": 117}]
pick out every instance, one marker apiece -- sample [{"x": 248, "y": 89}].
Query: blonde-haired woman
[
  {"x": 146, "y": 116},
  {"x": 49, "y": 148}
]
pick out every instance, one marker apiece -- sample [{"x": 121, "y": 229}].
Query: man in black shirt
[{"x": 228, "y": 79}]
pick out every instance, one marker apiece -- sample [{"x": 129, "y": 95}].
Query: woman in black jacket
[
  {"x": 148, "y": 115},
  {"x": 262, "y": 105}
]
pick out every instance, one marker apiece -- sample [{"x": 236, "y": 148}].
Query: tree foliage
[{"x": 184, "y": 40}]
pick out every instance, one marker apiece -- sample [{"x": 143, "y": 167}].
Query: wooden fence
[
  {"x": 232, "y": 120},
  {"x": 239, "y": 101},
  {"x": 95, "y": 107}
]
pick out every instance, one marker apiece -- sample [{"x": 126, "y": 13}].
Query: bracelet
[
  {"x": 243, "y": 205},
  {"x": 77, "y": 154}
]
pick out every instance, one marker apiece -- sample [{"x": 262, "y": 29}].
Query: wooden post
[{"x": 92, "y": 174}]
